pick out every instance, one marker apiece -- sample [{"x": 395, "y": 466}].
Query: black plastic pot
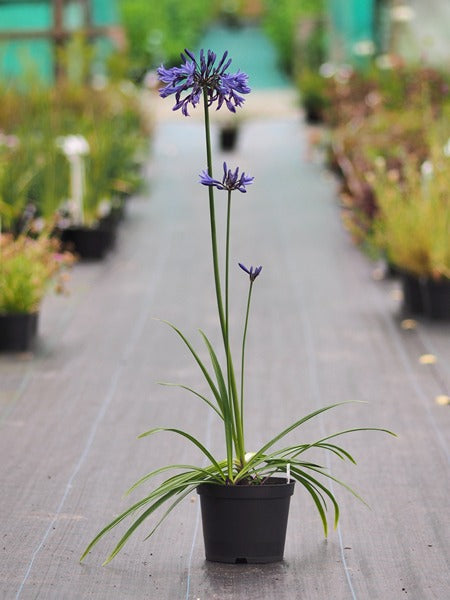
[
  {"x": 89, "y": 242},
  {"x": 412, "y": 294},
  {"x": 245, "y": 523},
  {"x": 426, "y": 296},
  {"x": 228, "y": 138},
  {"x": 17, "y": 331},
  {"x": 313, "y": 114}
]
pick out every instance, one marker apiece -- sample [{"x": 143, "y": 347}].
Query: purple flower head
[
  {"x": 189, "y": 80},
  {"x": 230, "y": 181},
  {"x": 252, "y": 272}
]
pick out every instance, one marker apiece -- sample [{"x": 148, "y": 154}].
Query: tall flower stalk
[
  {"x": 189, "y": 83},
  {"x": 231, "y": 181}
]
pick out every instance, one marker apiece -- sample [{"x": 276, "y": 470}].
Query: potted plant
[
  {"x": 413, "y": 229},
  {"x": 313, "y": 86},
  {"x": 228, "y": 137},
  {"x": 244, "y": 495},
  {"x": 27, "y": 266}
]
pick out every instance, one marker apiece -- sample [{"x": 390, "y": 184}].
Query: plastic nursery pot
[
  {"x": 228, "y": 138},
  {"x": 245, "y": 523},
  {"x": 89, "y": 242},
  {"x": 426, "y": 296},
  {"x": 436, "y": 298},
  {"x": 17, "y": 331},
  {"x": 412, "y": 295}
]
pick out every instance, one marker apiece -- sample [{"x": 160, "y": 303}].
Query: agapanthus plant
[{"x": 189, "y": 83}]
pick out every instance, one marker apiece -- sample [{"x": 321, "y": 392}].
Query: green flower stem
[
  {"x": 232, "y": 389},
  {"x": 232, "y": 392},
  {"x": 229, "y": 434},
  {"x": 212, "y": 216},
  {"x": 244, "y": 339}
]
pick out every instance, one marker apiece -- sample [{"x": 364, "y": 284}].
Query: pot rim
[{"x": 273, "y": 487}]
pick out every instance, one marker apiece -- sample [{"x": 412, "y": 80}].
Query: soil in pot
[
  {"x": 245, "y": 523},
  {"x": 17, "y": 331}
]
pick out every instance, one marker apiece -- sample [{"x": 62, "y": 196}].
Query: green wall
[
  {"x": 25, "y": 58},
  {"x": 352, "y": 26}
]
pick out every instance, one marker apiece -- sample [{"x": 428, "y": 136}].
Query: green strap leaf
[
  {"x": 324, "y": 489},
  {"x": 189, "y": 468},
  {"x": 263, "y": 449},
  {"x": 185, "y": 387},
  {"x": 198, "y": 361},
  {"x": 187, "y": 436}
]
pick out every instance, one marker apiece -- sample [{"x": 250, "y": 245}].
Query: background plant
[
  {"x": 156, "y": 30},
  {"x": 413, "y": 222},
  {"x": 34, "y": 171},
  {"x": 27, "y": 267},
  {"x": 282, "y": 21}
]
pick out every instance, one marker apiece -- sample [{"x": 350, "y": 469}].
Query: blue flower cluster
[
  {"x": 230, "y": 181},
  {"x": 194, "y": 78}
]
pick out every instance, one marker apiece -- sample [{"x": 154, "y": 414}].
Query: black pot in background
[
  {"x": 313, "y": 114},
  {"x": 412, "y": 294},
  {"x": 423, "y": 295},
  {"x": 18, "y": 331},
  {"x": 245, "y": 523},
  {"x": 228, "y": 138},
  {"x": 436, "y": 298},
  {"x": 89, "y": 242}
]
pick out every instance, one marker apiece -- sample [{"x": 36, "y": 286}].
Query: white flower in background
[
  {"x": 426, "y": 169},
  {"x": 327, "y": 69},
  {"x": 364, "y": 48},
  {"x": 402, "y": 13},
  {"x": 73, "y": 145}
]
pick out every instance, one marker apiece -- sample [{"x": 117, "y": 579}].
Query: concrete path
[{"x": 322, "y": 330}]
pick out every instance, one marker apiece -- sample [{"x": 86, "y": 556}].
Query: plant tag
[{"x": 288, "y": 472}]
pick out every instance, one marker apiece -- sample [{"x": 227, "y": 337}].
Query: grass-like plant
[
  {"x": 413, "y": 223},
  {"x": 33, "y": 170},
  {"x": 193, "y": 81}
]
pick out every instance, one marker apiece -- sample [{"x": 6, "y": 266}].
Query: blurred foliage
[
  {"x": 33, "y": 169},
  {"x": 354, "y": 95},
  {"x": 158, "y": 31},
  {"x": 412, "y": 226},
  {"x": 382, "y": 117},
  {"x": 313, "y": 94},
  {"x": 27, "y": 267},
  {"x": 297, "y": 29}
]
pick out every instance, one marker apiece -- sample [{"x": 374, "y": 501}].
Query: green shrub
[
  {"x": 281, "y": 22},
  {"x": 413, "y": 223},
  {"x": 27, "y": 267},
  {"x": 157, "y": 30},
  {"x": 33, "y": 169}
]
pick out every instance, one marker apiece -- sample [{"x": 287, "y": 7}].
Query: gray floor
[{"x": 322, "y": 330}]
